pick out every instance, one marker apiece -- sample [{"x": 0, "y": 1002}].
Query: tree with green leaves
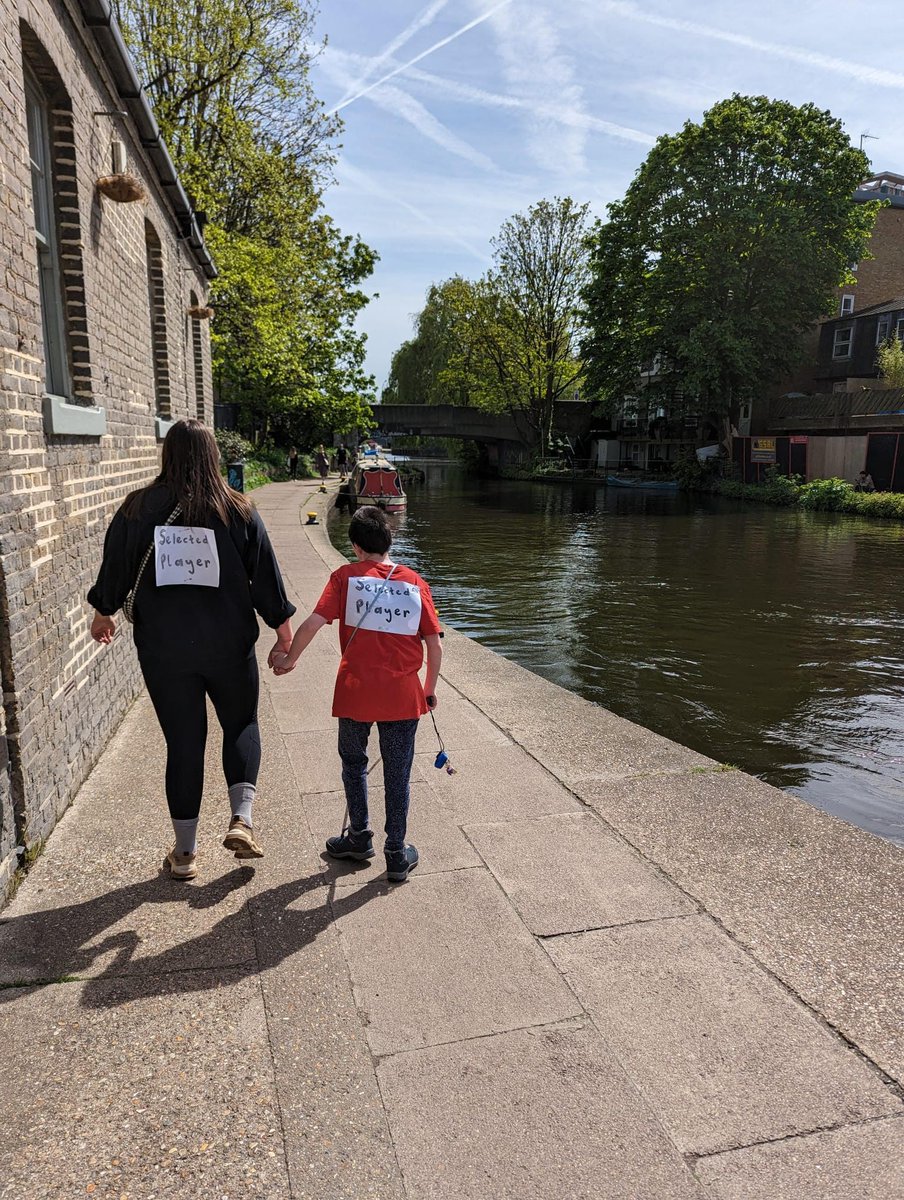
[
  {"x": 890, "y": 361},
  {"x": 229, "y": 82},
  {"x": 726, "y": 249},
  {"x": 508, "y": 342}
]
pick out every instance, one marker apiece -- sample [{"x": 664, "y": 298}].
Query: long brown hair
[{"x": 190, "y": 470}]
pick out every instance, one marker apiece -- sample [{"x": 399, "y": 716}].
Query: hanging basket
[
  {"x": 199, "y": 312},
  {"x": 124, "y": 188}
]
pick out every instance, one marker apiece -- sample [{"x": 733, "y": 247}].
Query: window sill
[
  {"x": 162, "y": 426},
  {"x": 61, "y": 417}
]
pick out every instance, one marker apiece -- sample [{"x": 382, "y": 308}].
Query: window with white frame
[
  {"x": 899, "y": 329},
  {"x": 841, "y": 348},
  {"x": 847, "y": 305},
  {"x": 883, "y": 328},
  {"x": 56, "y": 358}
]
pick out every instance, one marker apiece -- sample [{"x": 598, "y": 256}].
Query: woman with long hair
[{"x": 203, "y": 565}]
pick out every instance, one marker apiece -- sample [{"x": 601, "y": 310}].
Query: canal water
[{"x": 765, "y": 638}]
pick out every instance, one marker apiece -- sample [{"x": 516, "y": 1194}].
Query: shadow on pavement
[{"x": 279, "y": 931}]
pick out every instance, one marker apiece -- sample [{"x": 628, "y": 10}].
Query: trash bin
[{"x": 235, "y": 475}]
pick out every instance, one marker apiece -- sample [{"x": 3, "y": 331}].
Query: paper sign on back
[
  {"x": 394, "y": 606},
  {"x": 186, "y": 554}
]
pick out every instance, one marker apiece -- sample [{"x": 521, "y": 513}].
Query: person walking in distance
[
  {"x": 322, "y": 463},
  {"x": 192, "y": 561},
  {"x": 293, "y": 463},
  {"x": 386, "y": 616},
  {"x": 342, "y": 462}
]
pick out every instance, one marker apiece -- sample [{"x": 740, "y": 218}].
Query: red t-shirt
[{"x": 378, "y": 675}]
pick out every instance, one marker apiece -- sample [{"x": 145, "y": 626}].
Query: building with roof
[{"x": 103, "y": 343}]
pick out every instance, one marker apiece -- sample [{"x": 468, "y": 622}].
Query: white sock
[
  {"x": 241, "y": 797},
  {"x": 186, "y": 836}
]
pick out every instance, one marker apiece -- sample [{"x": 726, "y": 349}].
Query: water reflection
[{"x": 766, "y": 638}]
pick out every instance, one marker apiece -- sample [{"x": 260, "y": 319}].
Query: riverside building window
[
  {"x": 847, "y": 305},
  {"x": 883, "y": 328},
  {"x": 197, "y": 347},
  {"x": 56, "y": 365},
  {"x": 842, "y": 345}
]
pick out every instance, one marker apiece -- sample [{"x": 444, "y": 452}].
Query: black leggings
[{"x": 179, "y": 695}]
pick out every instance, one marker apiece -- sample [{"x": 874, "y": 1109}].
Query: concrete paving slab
[
  {"x": 440, "y": 842},
  {"x": 575, "y": 739},
  {"x": 862, "y": 1162},
  {"x": 818, "y": 901},
  {"x": 567, "y": 873},
  {"x": 139, "y": 1087},
  {"x": 495, "y": 783},
  {"x": 528, "y": 1115},
  {"x": 460, "y": 724},
  {"x": 315, "y": 761},
  {"x": 306, "y": 708},
  {"x": 441, "y": 958},
  {"x": 98, "y": 902},
  {"x": 695, "y": 1022},
  {"x": 337, "y": 1140}
]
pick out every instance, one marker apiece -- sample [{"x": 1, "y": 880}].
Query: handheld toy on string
[{"x": 442, "y": 759}]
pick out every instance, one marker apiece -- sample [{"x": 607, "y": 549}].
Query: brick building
[
  {"x": 99, "y": 352},
  {"x": 879, "y": 279}
]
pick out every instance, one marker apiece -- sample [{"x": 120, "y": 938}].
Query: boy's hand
[
  {"x": 431, "y": 702},
  {"x": 280, "y": 661}
]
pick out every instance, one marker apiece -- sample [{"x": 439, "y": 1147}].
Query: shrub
[
  {"x": 828, "y": 495},
  {"x": 878, "y": 504},
  {"x": 780, "y": 488},
  {"x": 233, "y": 447},
  {"x": 695, "y": 476}
]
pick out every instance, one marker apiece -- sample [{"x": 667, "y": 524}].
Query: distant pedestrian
[
  {"x": 864, "y": 482},
  {"x": 385, "y": 611},
  {"x": 322, "y": 463},
  {"x": 293, "y": 463},
  {"x": 192, "y": 560},
  {"x": 342, "y": 461}
]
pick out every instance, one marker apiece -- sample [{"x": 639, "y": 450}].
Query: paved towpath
[{"x": 619, "y": 971}]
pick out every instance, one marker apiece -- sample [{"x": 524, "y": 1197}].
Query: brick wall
[
  {"x": 881, "y": 277},
  {"x": 63, "y": 695}
]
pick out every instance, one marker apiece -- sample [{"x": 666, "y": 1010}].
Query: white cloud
[
  {"x": 538, "y": 73},
  {"x": 401, "y": 104}
]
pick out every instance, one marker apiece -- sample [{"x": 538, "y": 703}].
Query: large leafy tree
[
  {"x": 508, "y": 342},
  {"x": 724, "y": 251},
  {"x": 229, "y": 82}
]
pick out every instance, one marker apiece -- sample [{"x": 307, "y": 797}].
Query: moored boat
[
  {"x": 376, "y": 480},
  {"x": 659, "y": 485}
]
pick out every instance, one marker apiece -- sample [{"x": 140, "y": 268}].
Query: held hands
[
  {"x": 103, "y": 629},
  {"x": 278, "y": 657},
  {"x": 281, "y": 662}
]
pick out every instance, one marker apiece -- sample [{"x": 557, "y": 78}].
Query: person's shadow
[{"x": 256, "y": 937}]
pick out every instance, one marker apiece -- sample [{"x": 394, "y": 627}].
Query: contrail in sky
[
  {"x": 397, "y": 43},
  {"x": 809, "y": 58},
  {"x": 419, "y": 57}
]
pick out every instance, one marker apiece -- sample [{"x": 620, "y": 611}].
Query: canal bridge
[{"x": 505, "y": 434}]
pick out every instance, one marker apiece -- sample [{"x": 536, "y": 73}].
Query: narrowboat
[{"x": 375, "y": 480}]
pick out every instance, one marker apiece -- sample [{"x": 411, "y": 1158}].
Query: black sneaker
[
  {"x": 351, "y": 845},
  {"x": 399, "y": 863}
]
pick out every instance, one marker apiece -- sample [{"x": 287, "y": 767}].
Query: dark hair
[
  {"x": 369, "y": 529},
  {"x": 190, "y": 470}
]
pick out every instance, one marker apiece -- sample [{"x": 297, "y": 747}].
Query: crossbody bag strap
[
  {"x": 174, "y": 515},
  {"x": 369, "y": 606}
]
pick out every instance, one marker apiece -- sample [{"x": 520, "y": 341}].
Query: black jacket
[{"x": 176, "y": 622}]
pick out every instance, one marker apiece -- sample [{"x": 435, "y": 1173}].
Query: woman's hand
[
  {"x": 280, "y": 661},
  {"x": 103, "y": 629}
]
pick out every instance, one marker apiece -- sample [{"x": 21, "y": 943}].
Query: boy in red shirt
[{"x": 385, "y": 611}]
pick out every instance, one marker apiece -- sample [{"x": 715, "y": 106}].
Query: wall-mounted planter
[
  {"x": 124, "y": 188},
  {"x": 199, "y": 312}
]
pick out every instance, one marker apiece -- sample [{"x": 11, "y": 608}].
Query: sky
[{"x": 460, "y": 113}]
